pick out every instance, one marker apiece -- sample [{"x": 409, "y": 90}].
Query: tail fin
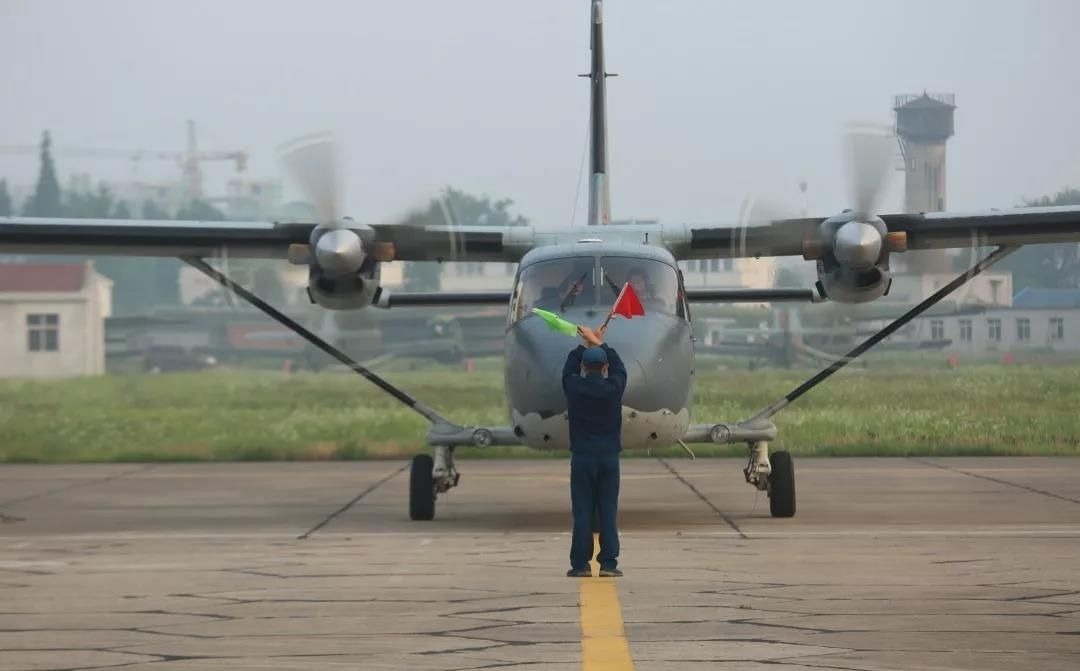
[{"x": 599, "y": 194}]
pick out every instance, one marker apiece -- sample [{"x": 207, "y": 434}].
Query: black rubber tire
[
  {"x": 782, "y": 485},
  {"x": 422, "y": 488}
]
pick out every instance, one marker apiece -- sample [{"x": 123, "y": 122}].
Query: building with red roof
[{"x": 52, "y": 319}]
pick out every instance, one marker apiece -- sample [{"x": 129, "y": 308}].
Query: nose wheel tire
[
  {"x": 782, "y": 485},
  {"x": 422, "y": 488}
]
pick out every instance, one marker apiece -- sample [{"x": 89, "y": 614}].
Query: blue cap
[{"x": 594, "y": 356}]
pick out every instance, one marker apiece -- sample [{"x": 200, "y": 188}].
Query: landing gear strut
[
  {"x": 428, "y": 476},
  {"x": 775, "y": 475}
]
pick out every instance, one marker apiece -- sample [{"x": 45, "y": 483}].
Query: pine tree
[
  {"x": 46, "y": 199},
  {"x": 5, "y": 199},
  {"x": 151, "y": 210},
  {"x": 122, "y": 211},
  {"x": 200, "y": 210}
]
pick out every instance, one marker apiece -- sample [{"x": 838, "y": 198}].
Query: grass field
[{"x": 894, "y": 410}]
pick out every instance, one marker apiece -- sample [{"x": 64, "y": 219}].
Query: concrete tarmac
[{"x": 889, "y": 564}]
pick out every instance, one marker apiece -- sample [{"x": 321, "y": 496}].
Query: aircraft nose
[{"x": 655, "y": 349}]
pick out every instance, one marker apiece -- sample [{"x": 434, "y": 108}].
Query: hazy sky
[{"x": 715, "y": 98}]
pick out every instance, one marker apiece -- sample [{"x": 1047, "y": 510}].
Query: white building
[
  {"x": 52, "y": 320},
  {"x": 1038, "y": 319},
  {"x": 989, "y": 288}
]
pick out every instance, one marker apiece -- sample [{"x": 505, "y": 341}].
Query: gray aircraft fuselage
[{"x": 657, "y": 348}]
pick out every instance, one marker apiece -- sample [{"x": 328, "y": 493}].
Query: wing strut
[
  {"x": 892, "y": 327},
  {"x": 297, "y": 328}
]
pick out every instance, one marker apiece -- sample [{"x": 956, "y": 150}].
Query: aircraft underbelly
[{"x": 640, "y": 429}]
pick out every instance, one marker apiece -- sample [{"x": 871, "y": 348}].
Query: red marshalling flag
[{"x": 627, "y": 304}]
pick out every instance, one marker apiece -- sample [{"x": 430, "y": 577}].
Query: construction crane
[{"x": 189, "y": 160}]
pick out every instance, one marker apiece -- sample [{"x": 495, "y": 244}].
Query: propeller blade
[
  {"x": 313, "y": 161},
  {"x": 869, "y": 152}
]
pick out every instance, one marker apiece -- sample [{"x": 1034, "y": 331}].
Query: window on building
[
  {"x": 965, "y": 330},
  {"x": 729, "y": 264},
  {"x": 1057, "y": 328},
  {"x": 714, "y": 265},
  {"x": 994, "y": 329},
  {"x": 937, "y": 329},
  {"x": 1023, "y": 329},
  {"x": 43, "y": 333}
]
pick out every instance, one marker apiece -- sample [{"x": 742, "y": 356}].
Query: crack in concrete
[
  {"x": 77, "y": 485},
  {"x": 999, "y": 481},
  {"x": 307, "y": 534},
  {"x": 704, "y": 499}
]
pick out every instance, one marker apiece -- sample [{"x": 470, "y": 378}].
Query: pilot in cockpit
[
  {"x": 639, "y": 281},
  {"x": 573, "y": 289}
]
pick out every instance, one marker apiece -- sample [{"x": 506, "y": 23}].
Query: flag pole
[{"x": 611, "y": 312}]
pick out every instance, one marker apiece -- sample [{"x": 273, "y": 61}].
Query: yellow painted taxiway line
[{"x": 603, "y": 639}]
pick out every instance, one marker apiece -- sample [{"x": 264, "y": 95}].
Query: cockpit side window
[
  {"x": 554, "y": 286},
  {"x": 655, "y": 283}
]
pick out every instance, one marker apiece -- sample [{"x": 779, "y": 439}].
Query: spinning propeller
[
  {"x": 343, "y": 255},
  {"x": 337, "y": 249}
]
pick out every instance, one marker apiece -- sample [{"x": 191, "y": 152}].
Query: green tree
[
  {"x": 5, "y": 199},
  {"x": 139, "y": 284},
  {"x": 46, "y": 199},
  {"x": 1047, "y": 266},
  {"x": 200, "y": 210},
  {"x": 469, "y": 210},
  {"x": 455, "y": 208},
  {"x": 267, "y": 285},
  {"x": 152, "y": 211},
  {"x": 787, "y": 278},
  {"x": 89, "y": 205}
]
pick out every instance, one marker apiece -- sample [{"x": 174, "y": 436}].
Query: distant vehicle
[{"x": 171, "y": 358}]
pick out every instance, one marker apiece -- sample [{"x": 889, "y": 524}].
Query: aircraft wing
[
  {"x": 931, "y": 230},
  {"x": 423, "y": 299},
  {"x": 752, "y": 296},
  {"x": 256, "y": 239}
]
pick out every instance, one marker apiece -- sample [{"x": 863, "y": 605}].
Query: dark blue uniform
[{"x": 594, "y": 410}]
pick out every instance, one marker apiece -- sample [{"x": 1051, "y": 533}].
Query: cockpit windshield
[
  {"x": 576, "y": 282},
  {"x": 656, "y": 284},
  {"x": 555, "y": 285}
]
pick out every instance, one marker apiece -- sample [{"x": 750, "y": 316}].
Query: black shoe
[
  {"x": 610, "y": 573},
  {"x": 579, "y": 573}
]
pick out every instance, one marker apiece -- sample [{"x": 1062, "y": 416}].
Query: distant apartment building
[{"x": 1037, "y": 319}]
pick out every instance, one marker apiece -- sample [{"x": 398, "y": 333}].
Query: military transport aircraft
[{"x": 851, "y": 251}]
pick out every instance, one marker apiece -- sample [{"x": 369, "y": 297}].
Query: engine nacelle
[
  {"x": 853, "y": 258},
  {"x": 343, "y": 274},
  {"x": 343, "y": 292}
]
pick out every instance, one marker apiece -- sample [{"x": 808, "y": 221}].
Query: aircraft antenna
[{"x": 581, "y": 172}]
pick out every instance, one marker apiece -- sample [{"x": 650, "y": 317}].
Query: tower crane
[{"x": 189, "y": 160}]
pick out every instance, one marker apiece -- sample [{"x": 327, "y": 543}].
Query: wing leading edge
[
  {"x": 931, "y": 230},
  {"x": 257, "y": 239}
]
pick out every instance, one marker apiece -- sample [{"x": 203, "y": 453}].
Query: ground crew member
[{"x": 594, "y": 379}]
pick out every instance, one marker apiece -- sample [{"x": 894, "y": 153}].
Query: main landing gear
[
  {"x": 777, "y": 475},
  {"x": 774, "y": 475},
  {"x": 429, "y": 477}
]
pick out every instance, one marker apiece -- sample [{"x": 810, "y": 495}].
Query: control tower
[{"x": 924, "y": 123}]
